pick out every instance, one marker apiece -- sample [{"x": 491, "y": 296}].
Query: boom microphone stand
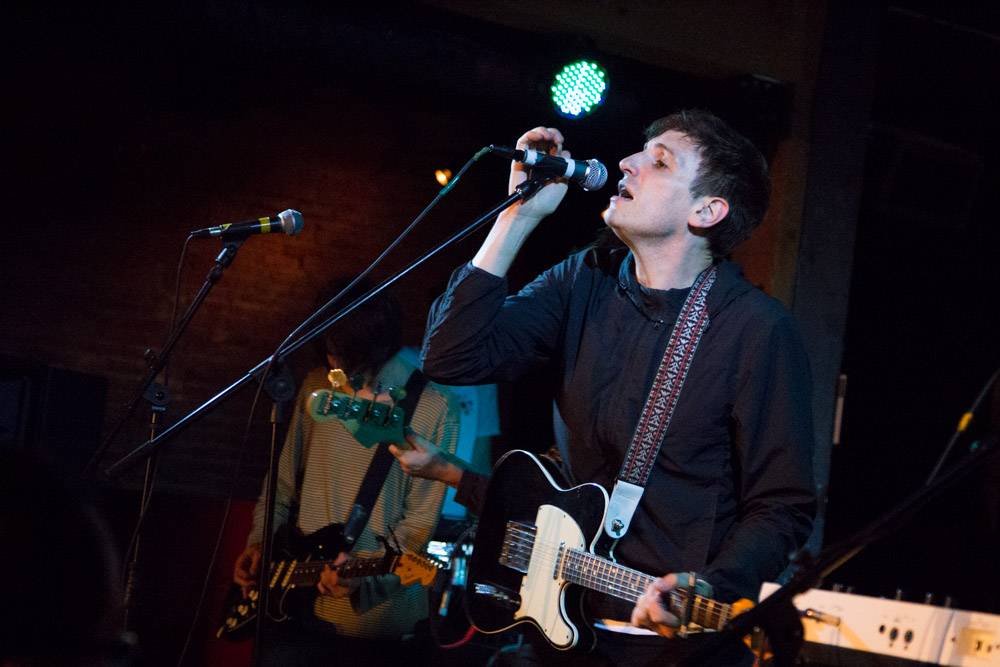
[
  {"x": 522, "y": 192},
  {"x": 157, "y": 362}
]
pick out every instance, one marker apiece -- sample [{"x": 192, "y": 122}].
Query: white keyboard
[{"x": 905, "y": 630}]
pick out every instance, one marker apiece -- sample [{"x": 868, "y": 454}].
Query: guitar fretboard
[
  {"x": 600, "y": 574},
  {"x": 307, "y": 573}
]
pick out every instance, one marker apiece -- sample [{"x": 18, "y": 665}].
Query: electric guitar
[
  {"x": 292, "y": 584},
  {"x": 533, "y": 559}
]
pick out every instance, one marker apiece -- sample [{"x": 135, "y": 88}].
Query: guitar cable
[
  {"x": 432, "y": 622},
  {"x": 461, "y": 642}
]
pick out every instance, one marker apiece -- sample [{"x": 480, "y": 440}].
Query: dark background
[{"x": 135, "y": 124}]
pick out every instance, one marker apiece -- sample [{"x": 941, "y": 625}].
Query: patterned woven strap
[{"x": 660, "y": 404}]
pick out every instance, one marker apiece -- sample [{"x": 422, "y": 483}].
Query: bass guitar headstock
[{"x": 369, "y": 421}]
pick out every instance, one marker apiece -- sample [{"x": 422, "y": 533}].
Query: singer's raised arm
[
  {"x": 514, "y": 225},
  {"x": 476, "y": 333}
]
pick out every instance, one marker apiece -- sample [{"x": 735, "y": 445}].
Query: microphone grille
[
  {"x": 291, "y": 221},
  {"x": 597, "y": 176}
]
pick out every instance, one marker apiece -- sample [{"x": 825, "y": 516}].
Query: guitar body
[
  {"x": 297, "y": 568},
  {"x": 535, "y": 556},
  {"x": 285, "y": 600},
  {"x": 499, "y": 596},
  {"x": 325, "y": 544}
]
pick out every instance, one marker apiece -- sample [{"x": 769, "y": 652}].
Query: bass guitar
[
  {"x": 292, "y": 584},
  {"x": 369, "y": 421},
  {"x": 533, "y": 559}
]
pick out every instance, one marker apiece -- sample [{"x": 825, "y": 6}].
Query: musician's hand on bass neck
[{"x": 422, "y": 458}]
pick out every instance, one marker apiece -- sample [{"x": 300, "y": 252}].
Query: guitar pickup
[{"x": 499, "y": 594}]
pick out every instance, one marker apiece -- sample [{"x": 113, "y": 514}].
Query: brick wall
[{"x": 90, "y": 289}]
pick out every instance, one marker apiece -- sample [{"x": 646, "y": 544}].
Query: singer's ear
[{"x": 707, "y": 212}]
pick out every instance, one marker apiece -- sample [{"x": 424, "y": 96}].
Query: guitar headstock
[
  {"x": 369, "y": 421},
  {"x": 412, "y": 568}
]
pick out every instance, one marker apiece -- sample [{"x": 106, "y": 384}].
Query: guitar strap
[
  {"x": 381, "y": 462},
  {"x": 659, "y": 408}
]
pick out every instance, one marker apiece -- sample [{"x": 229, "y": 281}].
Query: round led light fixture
[{"x": 579, "y": 88}]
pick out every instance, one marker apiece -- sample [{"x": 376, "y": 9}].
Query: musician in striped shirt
[{"x": 371, "y": 619}]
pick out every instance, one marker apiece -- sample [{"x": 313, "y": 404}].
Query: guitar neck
[
  {"x": 601, "y": 574},
  {"x": 308, "y": 573}
]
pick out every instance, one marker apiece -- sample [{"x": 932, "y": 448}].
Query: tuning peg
[
  {"x": 397, "y": 393},
  {"x": 357, "y": 381},
  {"x": 337, "y": 379}
]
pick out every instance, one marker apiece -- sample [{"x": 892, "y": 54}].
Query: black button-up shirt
[{"x": 731, "y": 493}]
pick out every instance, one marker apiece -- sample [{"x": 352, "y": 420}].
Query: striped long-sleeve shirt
[{"x": 334, "y": 465}]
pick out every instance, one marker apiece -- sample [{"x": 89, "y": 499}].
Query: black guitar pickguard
[{"x": 289, "y": 544}]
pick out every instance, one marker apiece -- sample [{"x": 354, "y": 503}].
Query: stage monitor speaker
[{"x": 54, "y": 412}]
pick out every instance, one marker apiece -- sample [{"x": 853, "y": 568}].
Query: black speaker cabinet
[{"x": 54, "y": 412}]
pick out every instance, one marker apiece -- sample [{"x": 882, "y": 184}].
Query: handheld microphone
[
  {"x": 589, "y": 174},
  {"x": 288, "y": 221}
]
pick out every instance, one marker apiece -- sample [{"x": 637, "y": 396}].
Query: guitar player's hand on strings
[
  {"x": 422, "y": 458},
  {"x": 246, "y": 568},
  {"x": 330, "y": 584},
  {"x": 651, "y": 611}
]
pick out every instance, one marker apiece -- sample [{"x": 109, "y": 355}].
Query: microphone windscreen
[
  {"x": 291, "y": 221},
  {"x": 597, "y": 176}
]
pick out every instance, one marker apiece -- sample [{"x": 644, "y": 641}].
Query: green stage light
[{"x": 579, "y": 88}]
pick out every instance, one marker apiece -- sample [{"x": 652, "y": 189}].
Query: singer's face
[{"x": 654, "y": 196}]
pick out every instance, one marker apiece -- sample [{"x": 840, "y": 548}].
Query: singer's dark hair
[
  {"x": 731, "y": 167},
  {"x": 366, "y": 338}
]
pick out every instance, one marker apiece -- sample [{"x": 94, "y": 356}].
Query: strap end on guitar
[
  {"x": 621, "y": 507},
  {"x": 355, "y": 523}
]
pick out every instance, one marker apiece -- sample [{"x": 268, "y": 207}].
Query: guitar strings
[
  {"x": 705, "y": 612},
  {"x": 589, "y": 569},
  {"x": 598, "y": 573}
]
